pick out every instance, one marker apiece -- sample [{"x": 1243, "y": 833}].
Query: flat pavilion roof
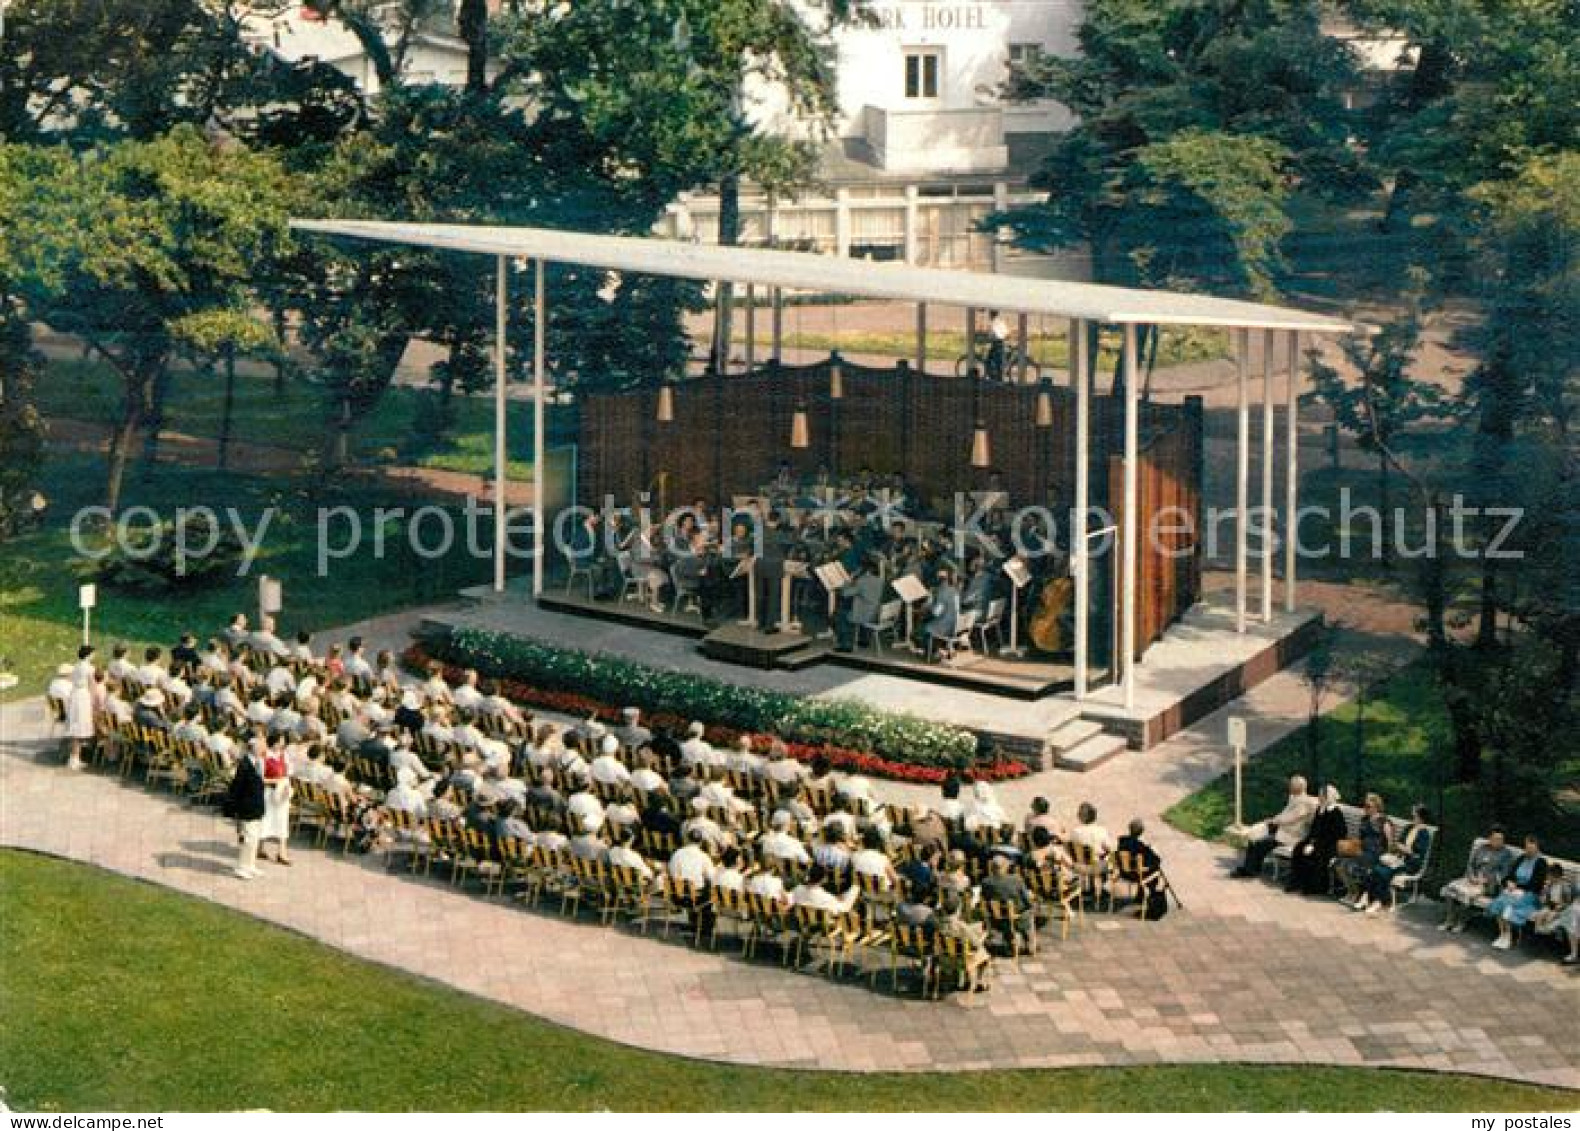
[{"x": 805, "y": 271}]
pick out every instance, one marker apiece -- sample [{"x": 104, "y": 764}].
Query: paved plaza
[{"x": 1244, "y": 973}]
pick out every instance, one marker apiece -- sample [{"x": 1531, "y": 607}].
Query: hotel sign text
[{"x": 930, "y": 17}]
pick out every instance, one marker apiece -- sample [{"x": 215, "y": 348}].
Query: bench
[
  {"x": 1278, "y": 859},
  {"x": 1479, "y": 905}
]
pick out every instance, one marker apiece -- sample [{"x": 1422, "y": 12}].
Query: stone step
[
  {"x": 805, "y": 657},
  {"x": 1092, "y": 753},
  {"x": 1072, "y": 734}
]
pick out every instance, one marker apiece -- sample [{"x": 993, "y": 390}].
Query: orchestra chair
[
  {"x": 578, "y": 567},
  {"x": 888, "y": 622},
  {"x": 687, "y": 593},
  {"x": 633, "y": 585},
  {"x": 952, "y": 645},
  {"x": 992, "y": 622}
]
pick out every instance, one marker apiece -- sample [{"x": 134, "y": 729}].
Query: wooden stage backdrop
[{"x": 729, "y": 435}]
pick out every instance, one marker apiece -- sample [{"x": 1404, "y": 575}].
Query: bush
[
  {"x": 811, "y": 722},
  {"x": 147, "y": 563}
]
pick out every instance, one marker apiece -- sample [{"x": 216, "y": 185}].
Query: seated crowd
[
  {"x": 1323, "y": 854},
  {"x": 460, "y": 776}
]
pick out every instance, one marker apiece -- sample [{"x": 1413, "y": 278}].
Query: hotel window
[
  {"x": 921, "y": 73},
  {"x": 1024, "y": 54}
]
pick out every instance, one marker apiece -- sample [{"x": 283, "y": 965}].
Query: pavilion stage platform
[
  {"x": 1026, "y": 678},
  {"x": 1200, "y": 664}
]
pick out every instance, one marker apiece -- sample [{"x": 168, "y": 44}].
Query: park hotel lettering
[{"x": 930, "y": 17}]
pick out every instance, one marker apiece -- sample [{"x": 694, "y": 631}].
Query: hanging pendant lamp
[
  {"x": 666, "y": 405},
  {"x": 1044, "y": 407},
  {"x": 800, "y": 432},
  {"x": 981, "y": 454},
  {"x": 836, "y": 380}
]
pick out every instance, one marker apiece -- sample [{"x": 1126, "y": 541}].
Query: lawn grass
[
  {"x": 1405, "y": 757},
  {"x": 119, "y": 995},
  {"x": 292, "y": 417},
  {"x": 1048, "y": 347},
  {"x": 40, "y": 625}
]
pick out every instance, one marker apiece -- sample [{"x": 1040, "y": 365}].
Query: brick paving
[{"x": 1244, "y": 974}]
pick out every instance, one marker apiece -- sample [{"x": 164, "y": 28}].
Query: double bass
[{"x": 1046, "y": 627}]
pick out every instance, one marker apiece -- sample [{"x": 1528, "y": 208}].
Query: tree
[
  {"x": 135, "y": 245},
  {"x": 1365, "y": 671},
  {"x": 21, "y": 427},
  {"x": 1492, "y": 85},
  {"x": 1317, "y": 673},
  {"x": 444, "y": 155},
  {"x": 1388, "y": 403},
  {"x": 89, "y": 71},
  {"x": 1197, "y": 120},
  {"x": 685, "y": 93},
  {"x": 1524, "y": 394}
]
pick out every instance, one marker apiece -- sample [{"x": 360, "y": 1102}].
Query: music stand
[
  {"x": 1019, "y": 577},
  {"x": 834, "y": 577},
  {"x": 747, "y": 568},
  {"x": 793, "y": 570},
  {"x": 910, "y": 590}
]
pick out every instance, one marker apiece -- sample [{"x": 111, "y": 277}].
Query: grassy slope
[
  {"x": 1406, "y": 754},
  {"x": 118, "y": 995},
  {"x": 294, "y": 419},
  {"x": 39, "y": 621},
  {"x": 1049, "y": 346}
]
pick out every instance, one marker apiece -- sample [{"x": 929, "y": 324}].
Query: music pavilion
[{"x": 1143, "y": 653}]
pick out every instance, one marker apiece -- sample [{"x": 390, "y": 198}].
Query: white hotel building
[
  {"x": 922, "y": 147},
  {"x": 918, "y": 86}
]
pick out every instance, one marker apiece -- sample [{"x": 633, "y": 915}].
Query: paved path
[{"x": 1244, "y": 974}]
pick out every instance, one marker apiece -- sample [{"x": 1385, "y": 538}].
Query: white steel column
[
  {"x": 501, "y": 521},
  {"x": 1242, "y": 473},
  {"x": 539, "y": 411},
  {"x": 1083, "y": 486},
  {"x": 1269, "y": 352},
  {"x": 751, "y": 327},
  {"x": 1291, "y": 471},
  {"x": 775, "y": 297},
  {"x": 1132, "y": 454}
]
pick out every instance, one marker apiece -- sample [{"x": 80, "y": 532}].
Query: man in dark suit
[
  {"x": 244, "y": 805},
  {"x": 184, "y": 658},
  {"x": 1146, "y": 869},
  {"x": 1007, "y": 890},
  {"x": 770, "y": 572}
]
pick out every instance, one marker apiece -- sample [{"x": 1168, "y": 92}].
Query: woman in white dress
[
  {"x": 276, "y": 802},
  {"x": 79, "y": 706}
]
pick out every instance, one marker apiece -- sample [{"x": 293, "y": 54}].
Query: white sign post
[
  {"x": 1237, "y": 743},
  {"x": 270, "y": 597},
  {"x": 87, "y": 598}
]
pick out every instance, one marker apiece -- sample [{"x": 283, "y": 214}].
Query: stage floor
[
  {"x": 1200, "y": 664},
  {"x": 1028, "y": 677}
]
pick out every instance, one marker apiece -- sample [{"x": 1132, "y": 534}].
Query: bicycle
[{"x": 1009, "y": 369}]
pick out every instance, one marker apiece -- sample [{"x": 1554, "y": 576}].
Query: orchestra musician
[
  {"x": 854, "y": 521},
  {"x": 944, "y": 610},
  {"x": 859, "y": 602},
  {"x": 981, "y": 583}
]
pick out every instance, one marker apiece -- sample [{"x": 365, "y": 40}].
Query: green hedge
[{"x": 839, "y": 722}]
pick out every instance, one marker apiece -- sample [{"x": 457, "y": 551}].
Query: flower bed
[{"x": 851, "y": 735}]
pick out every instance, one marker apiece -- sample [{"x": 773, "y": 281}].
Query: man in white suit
[{"x": 1288, "y": 828}]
